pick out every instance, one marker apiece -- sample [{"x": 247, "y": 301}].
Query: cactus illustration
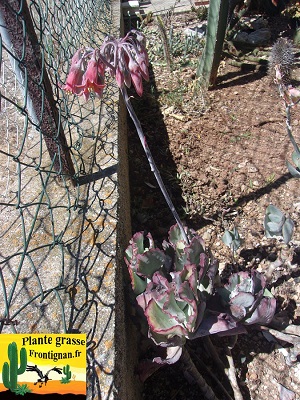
[
  {"x": 11, "y": 371},
  {"x": 216, "y": 29},
  {"x": 67, "y": 372}
]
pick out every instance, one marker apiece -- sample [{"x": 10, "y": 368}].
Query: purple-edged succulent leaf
[
  {"x": 175, "y": 236},
  {"x": 138, "y": 284},
  {"x": 162, "y": 322},
  {"x": 215, "y": 322},
  {"x": 136, "y": 246},
  {"x": 238, "y": 312},
  {"x": 170, "y": 355},
  {"x": 150, "y": 262},
  {"x": 247, "y": 298},
  {"x": 285, "y": 393},
  {"x": 243, "y": 299},
  {"x": 194, "y": 250},
  {"x": 173, "y": 355},
  {"x": 264, "y": 312}
]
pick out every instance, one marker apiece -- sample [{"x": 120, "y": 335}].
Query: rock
[
  {"x": 257, "y": 38},
  {"x": 199, "y": 31},
  {"x": 241, "y": 37},
  {"x": 260, "y": 37},
  {"x": 259, "y": 23}
]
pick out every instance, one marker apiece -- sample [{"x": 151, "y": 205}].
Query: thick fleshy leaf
[
  {"x": 191, "y": 278},
  {"x": 193, "y": 250},
  {"x": 293, "y": 171},
  {"x": 161, "y": 322},
  {"x": 235, "y": 279},
  {"x": 273, "y": 222},
  {"x": 150, "y": 262},
  {"x": 136, "y": 246},
  {"x": 172, "y": 308},
  {"x": 287, "y": 230},
  {"x": 180, "y": 257},
  {"x": 215, "y": 322},
  {"x": 245, "y": 285},
  {"x": 274, "y": 214},
  {"x": 158, "y": 290},
  {"x": 175, "y": 235},
  {"x": 146, "y": 368},
  {"x": 274, "y": 228},
  {"x": 232, "y": 239},
  {"x": 296, "y": 158},
  {"x": 264, "y": 312},
  {"x": 285, "y": 393},
  {"x": 138, "y": 284},
  {"x": 173, "y": 355},
  {"x": 243, "y": 299},
  {"x": 238, "y": 311}
]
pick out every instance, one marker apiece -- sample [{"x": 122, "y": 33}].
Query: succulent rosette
[
  {"x": 248, "y": 299},
  {"x": 171, "y": 285}
]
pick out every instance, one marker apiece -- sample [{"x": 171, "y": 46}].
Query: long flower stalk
[
  {"x": 126, "y": 59},
  {"x": 152, "y": 164}
]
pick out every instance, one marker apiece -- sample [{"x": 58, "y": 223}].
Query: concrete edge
[{"x": 127, "y": 384}]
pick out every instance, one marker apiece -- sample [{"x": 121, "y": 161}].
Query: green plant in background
[
  {"x": 216, "y": 28},
  {"x": 11, "y": 370},
  {"x": 281, "y": 63},
  {"x": 277, "y": 224},
  {"x": 233, "y": 240},
  {"x": 22, "y": 389},
  {"x": 201, "y": 12},
  {"x": 67, "y": 372}
]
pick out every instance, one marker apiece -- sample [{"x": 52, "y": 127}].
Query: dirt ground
[{"x": 222, "y": 157}]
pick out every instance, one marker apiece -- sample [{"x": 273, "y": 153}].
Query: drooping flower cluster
[
  {"x": 126, "y": 59},
  {"x": 86, "y": 74}
]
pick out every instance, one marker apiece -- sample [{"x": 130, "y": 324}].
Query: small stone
[{"x": 206, "y": 236}]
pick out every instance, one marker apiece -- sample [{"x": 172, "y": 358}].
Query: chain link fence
[{"x": 58, "y": 161}]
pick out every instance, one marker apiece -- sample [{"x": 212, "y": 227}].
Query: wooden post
[{"x": 17, "y": 28}]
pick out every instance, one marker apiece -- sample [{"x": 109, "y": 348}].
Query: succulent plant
[
  {"x": 282, "y": 56},
  {"x": 247, "y": 299},
  {"x": 216, "y": 28},
  {"x": 171, "y": 285},
  {"x": 277, "y": 224},
  {"x": 22, "y": 389},
  {"x": 12, "y": 369},
  {"x": 232, "y": 239}
]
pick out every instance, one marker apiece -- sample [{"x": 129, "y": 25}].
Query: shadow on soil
[{"x": 148, "y": 205}]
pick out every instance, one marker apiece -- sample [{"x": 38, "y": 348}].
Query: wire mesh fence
[{"x": 58, "y": 161}]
